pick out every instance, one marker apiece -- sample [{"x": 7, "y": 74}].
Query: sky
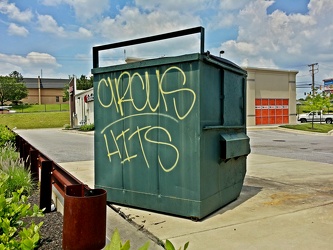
[{"x": 54, "y": 38}]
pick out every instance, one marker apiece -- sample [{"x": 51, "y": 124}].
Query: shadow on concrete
[{"x": 247, "y": 193}]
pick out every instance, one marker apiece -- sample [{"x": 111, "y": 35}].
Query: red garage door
[{"x": 272, "y": 111}]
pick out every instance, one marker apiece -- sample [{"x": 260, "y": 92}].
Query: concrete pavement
[{"x": 284, "y": 204}]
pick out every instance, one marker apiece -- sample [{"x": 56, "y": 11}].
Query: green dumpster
[{"x": 170, "y": 133}]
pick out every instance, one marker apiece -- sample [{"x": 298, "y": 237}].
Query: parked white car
[{"x": 315, "y": 116}]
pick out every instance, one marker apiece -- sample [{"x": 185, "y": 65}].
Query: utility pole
[{"x": 313, "y": 71}]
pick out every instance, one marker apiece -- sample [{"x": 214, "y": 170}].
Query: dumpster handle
[{"x": 185, "y": 32}]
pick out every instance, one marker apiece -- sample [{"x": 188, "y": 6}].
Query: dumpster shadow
[{"x": 248, "y": 191}]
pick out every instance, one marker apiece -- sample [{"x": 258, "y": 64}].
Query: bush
[
  {"x": 87, "y": 127},
  {"x": 7, "y": 152},
  {"x": 13, "y": 232},
  {"x": 15, "y": 175},
  {"x": 18, "y": 177},
  {"x": 67, "y": 126},
  {"x": 6, "y": 135},
  {"x": 15, "y": 183}
]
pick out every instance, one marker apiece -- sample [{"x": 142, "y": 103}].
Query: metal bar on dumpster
[{"x": 148, "y": 39}]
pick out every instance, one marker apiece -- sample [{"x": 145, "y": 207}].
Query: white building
[
  {"x": 81, "y": 104},
  {"x": 271, "y": 96}
]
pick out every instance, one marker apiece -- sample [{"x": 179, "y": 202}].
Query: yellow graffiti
[
  {"x": 135, "y": 91},
  {"x": 140, "y": 141},
  {"x": 118, "y": 100},
  {"x": 166, "y": 169},
  {"x": 126, "y": 137},
  {"x": 107, "y": 147},
  {"x": 178, "y": 90},
  {"x": 137, "y": 115}
]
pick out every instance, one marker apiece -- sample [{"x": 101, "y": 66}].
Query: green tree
[
  {"x": 16, "y": 75},
  {"x": 65, "y": 94},
  {"x": 84, "y": 82},
  {"x": 12, "y": 88},
  {"x": 317, "y": 102},
  {"x": 326, "y": 101}
]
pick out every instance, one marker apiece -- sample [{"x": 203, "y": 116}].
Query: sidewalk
[{"x": 284, "y": 204}]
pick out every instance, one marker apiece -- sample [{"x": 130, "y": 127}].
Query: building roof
[
  {"x": 270, "y": 69},
  {"x": 46, "y": 83}
]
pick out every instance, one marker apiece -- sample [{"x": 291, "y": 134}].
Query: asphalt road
[
  {"x": 295, "y": 145},
  {"x": 61, "y": 145},
  {"x": 65, "y": 146}
]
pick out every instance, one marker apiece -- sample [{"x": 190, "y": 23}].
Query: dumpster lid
[{"x": 224, "y": 63}]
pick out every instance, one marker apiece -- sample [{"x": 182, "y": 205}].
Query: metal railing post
[
  {"x": 33, "y": 160},
  {"x": 45, "y": 196}
]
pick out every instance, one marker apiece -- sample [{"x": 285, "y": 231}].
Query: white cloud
[
  {"x": 84, "y": 9},
  {"x": 15, "y": 13},
  {"x": 46, "y": 23},
  {"x": 29, "y": 64},
  {"x": 278, "y": 40},
  {"x": 132, "y": 23},
  {"x": 83, "y": 32},
  {"x": 176, "y": 5},
  {"x": 16, "y": 30},
  {"x": 42, "y": 58},
  {"x": 230, "y": 5},
  {"x": 281, "y": 40}
]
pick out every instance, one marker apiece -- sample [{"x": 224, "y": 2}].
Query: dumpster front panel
[
  {"x": 146, "y": 135},
  {"x": 166, "y": 131}
]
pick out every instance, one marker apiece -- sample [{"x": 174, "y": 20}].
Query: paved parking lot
[{"x": 286, "y": 201}]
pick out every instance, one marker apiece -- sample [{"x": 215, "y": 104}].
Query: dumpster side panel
[
  {"x": 210, "y": 96},
  {"x": 223, "y": 113},
  {"x": 233, "y": 99}
]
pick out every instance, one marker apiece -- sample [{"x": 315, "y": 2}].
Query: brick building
[{"x": 45, "y": 90}]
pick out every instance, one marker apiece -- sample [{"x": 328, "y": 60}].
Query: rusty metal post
[
  {"x": 84, "y": 219},
  {"x": 33, "y": 161},
  {"x": 45, "y": 196}
]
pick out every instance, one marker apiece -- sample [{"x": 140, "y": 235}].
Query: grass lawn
[
  {"x": 317, "y": 127},
  {"x": 35, "y": 120}
]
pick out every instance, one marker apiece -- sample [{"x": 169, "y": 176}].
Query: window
[{"x": 57, "y": 98}]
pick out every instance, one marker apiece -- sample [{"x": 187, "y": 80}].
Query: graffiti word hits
[{"x": 117, "y": 145}]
